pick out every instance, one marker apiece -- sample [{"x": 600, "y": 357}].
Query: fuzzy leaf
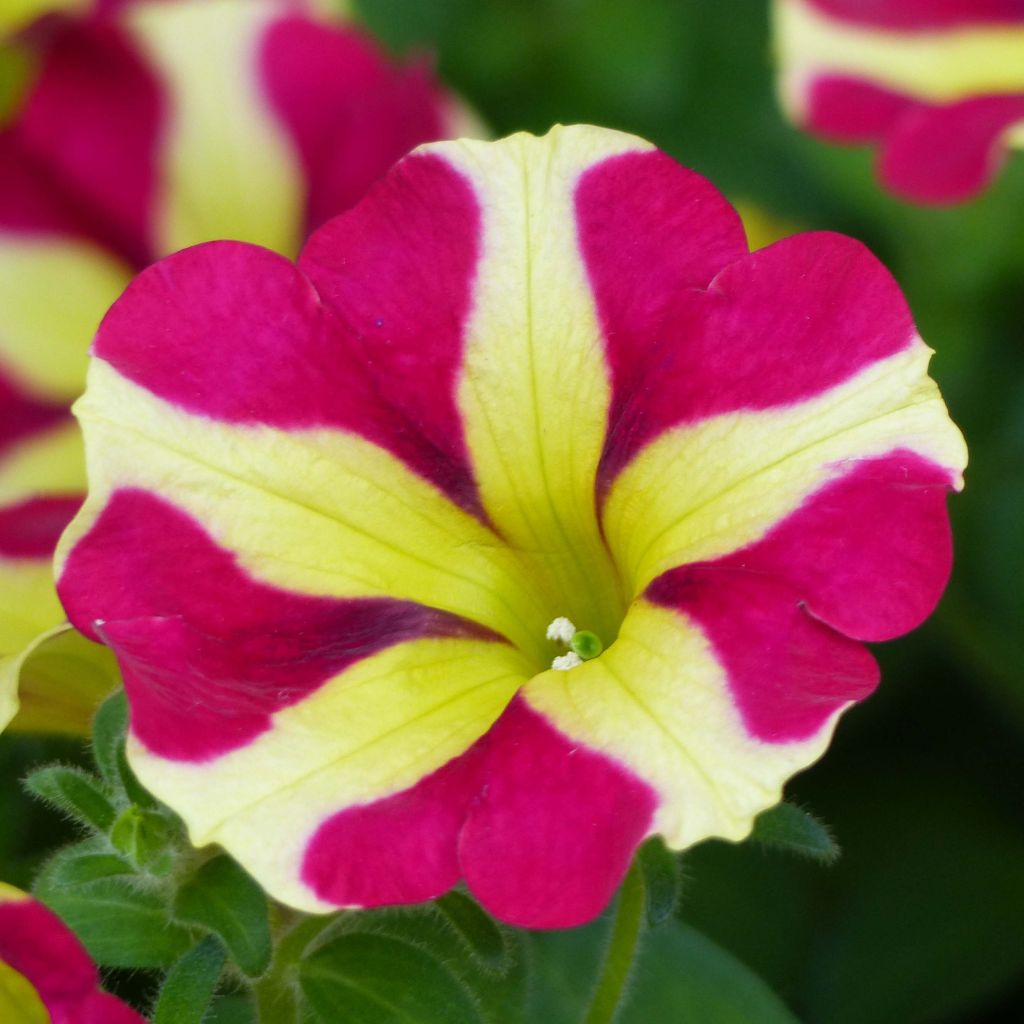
[
  {"x": 479, "y": 930},
  {"x": 220, "y": 896},
  {"x": 74, "y": 792},
  {"x": 188, "y": 990},
  {"x": 82, "y": 863},
  {"x": 109, "y": 728},
  {"x": 120, "y": 924},
  {"x": 789, "y": 827},
  {"x": 147, "y": 837},
  {"x": 365, "y": 978}
]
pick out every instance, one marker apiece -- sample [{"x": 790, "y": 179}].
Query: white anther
[
  {"x": 561, "y": 629},
  {"x": 564, "y": 662}
]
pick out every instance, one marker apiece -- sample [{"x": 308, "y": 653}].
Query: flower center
[{"x": 582, "y": 643}]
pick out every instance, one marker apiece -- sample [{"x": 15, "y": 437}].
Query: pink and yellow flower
[
  {"x": 46, "y": 977},
  {"x": 357, "y": 528},
  {"x": 148, "y": 129},
  {"x": 938, "y": 84}
]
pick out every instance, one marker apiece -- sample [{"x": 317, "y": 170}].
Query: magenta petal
[
  {"x": 778, "y": 326},
  {"x": 350, "y": 111},
  {"x": 945, "y": 154},
  {"x": 853, "y": 110},
  {"x": 401, "y": 849},
  {"x": 922, "y": 14},
  {"x": 92, "y": 122},
  {"x": 283, "y": 356},
  {"x": 865, "y": 558},
  {"x": 554, "y": 828},
  {"x": 787, "y": 671},
  {"x": 21, "y": 415},
  {"x": 31, "y": 528},
  {"x": 399, "y": 270},
  {"x": 648, "y": 229},
  {"x": 37, "y": 944},
  {"x": 208, "y": 653},
  {"x": 32, "y": 200}
]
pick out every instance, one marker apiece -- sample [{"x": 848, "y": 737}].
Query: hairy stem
[{"x": 618, "y": 961}]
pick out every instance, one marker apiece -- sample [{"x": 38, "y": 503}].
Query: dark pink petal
[
  {"x": 779, "y": 326},
  {"x": 21, "y": 416},
  {"x": 554, "y": 828},
  {"x": 853, "y": 110},
  {"x": 945, "y": 154},
  {"x": 286, "y": 359},
  {"x": 922, "y": 14},
  {"x": 787, "y": 671},
  {"x": 31, "y": 195},
  {"x": 648, "y": 228},
  {"x": 209, "y": 654},
  {"x": 401, "y": 849},
  {"x": 92, "y": 119},
  {"x": 865, "y": 558},
  {"x": 31, "y": 528},
  {"x": 350, "y": 111},
  {"x": 37, "y": 944},
  {"x": 398, "y": 270}
]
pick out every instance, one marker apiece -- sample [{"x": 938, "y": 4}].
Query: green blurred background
[{"x": 923, "y": 918}]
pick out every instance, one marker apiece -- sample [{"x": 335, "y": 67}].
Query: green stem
[
  {"x": 618, "y": 961},
  {"x": 274, "y": 994}
]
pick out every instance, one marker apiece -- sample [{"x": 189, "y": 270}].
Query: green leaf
[
  {"x": 82, "y": 863},
  {"x": 662, "y": 879},
  {"x": 364, "y": 978},
  {"x": 680, "y": 976},
  {"x": 74, "y": 792},
  {"x": 481, "y": 933},
  {"x": 222, "y": 897},
  {"x": 120, "y": 924},
  {"x": 789, "y": 827},
  {"x": 188, "y": 990},
  {"x": 497, "y": 985},
  {"x": 147, "y": 837},
  {"x": 109, "y": 729},
  {"x": 232, "y": 1009}
]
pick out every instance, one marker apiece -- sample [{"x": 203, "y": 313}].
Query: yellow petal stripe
[
  {"x": 19, "y": 1001},
  {"x": 658, "y": 702},
  {"x": 229, "y": 169},
  {"x": 44, "y": 464},
  {"x": 61, "y": 679},
  {"x": 317, "y": 511},
  {"x": 747, "y": 470},
  {"x": 53, "y": 295},
  {"x": 534, "y": 392},
  {"x": 28, "y": 607},
  {"x": 374, "y": 730}
]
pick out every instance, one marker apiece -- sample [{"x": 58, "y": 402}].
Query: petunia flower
[
  {"x": 146, "y": 130},
  {"x": 46, "y": 976},
  {"x": 527, "y": 516},
  {"x": 938, "y": 84}
]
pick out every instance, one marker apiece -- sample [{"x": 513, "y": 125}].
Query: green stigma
[{"x": 586, "y": 644}]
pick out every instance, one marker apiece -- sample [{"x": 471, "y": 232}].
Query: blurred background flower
[
  {"x": 938, "y": 85},
  {"x": 146, "y": 127},
  {"x": 46, "y": 976}
]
